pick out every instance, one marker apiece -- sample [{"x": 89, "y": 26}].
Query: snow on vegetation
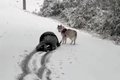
[{"x": 98, "y": 16}]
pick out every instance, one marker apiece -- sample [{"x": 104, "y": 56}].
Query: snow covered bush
[
  {"x": 99, "y": 16},
  {"x": 51, "y": 8}
]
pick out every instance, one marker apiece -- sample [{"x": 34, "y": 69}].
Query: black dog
[{"x": 48, "y": 42}]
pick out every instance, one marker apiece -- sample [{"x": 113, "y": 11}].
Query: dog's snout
[{"x": 59, "y": 31}]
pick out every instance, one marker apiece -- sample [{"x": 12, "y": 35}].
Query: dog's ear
[{"x": 62, "y": 26}]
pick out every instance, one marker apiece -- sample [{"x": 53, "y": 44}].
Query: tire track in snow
[
  {"x": 24, "y": 65},
  {"x": 31, "y": 70},
  {"x": 44, "y": 71}
]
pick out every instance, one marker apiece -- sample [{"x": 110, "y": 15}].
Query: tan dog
[{"x": 67, "y": 33}]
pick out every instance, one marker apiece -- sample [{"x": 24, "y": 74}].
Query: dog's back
[
  {"x": 49, "y": 37},
  {"x": 48, "y": 42},
  {"x": 72, "y": 34}
]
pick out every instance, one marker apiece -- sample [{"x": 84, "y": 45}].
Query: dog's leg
[
  {"x": 74, "y": 42},
  {"x": 65, "y": 40},
  {"x": 62, "y": 40},
  {"x": 71, "y": 41},
  {"x": 75, "y": 37}
]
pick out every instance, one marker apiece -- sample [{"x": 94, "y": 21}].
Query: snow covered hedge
[{"x": 100, "y": 16}]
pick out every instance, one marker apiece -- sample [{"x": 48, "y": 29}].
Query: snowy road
[{"x": 90, "y": 59}]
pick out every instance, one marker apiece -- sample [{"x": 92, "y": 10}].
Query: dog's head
[
  {"x": 60, "y": 28},
  {"x": 43, "y": 47}
]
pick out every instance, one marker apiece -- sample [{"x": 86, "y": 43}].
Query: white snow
[{"x": 90, "y": 59}]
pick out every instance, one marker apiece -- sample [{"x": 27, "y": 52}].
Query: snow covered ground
[{"x": 90, "y": 59}]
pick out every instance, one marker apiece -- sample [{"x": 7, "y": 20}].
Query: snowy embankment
[{"x": 90, "y": 59}]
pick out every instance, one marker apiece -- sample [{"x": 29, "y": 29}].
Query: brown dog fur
[{"x": 67, "y": 33}]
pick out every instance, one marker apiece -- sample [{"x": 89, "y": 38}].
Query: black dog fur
[{"x": 48, "y": 42}]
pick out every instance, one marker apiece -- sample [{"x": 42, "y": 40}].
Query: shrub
[{"x": 99, "y": 16}]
